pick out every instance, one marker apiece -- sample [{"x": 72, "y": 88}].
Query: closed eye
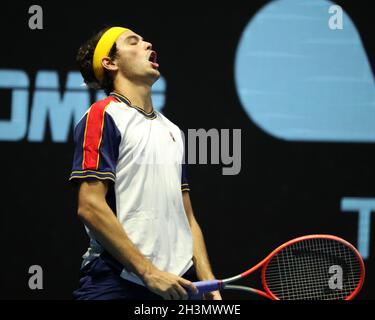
[{"x": 132, "y": 40}]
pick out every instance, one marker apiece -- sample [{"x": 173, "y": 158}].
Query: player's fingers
[
  {"x": 188, "y": 285},
  {"x": 183, "y": 295},
  {"x": 174, "y": 294}
]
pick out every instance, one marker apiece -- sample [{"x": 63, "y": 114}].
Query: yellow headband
[{"x": 103, "y": 48}]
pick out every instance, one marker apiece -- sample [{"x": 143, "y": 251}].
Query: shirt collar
[{"x": 149, "y": 115}]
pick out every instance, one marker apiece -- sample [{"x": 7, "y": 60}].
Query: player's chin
[{"x": 153, "y": 73}]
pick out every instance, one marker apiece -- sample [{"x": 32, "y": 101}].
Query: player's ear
[{"x": 109, "y": 64}]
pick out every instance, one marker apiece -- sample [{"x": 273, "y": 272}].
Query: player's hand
[
  {"x": 214, "y": 295},
  {"x": 168, "y": 285}
]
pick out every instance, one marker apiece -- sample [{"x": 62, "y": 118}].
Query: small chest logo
[{"x": 172, "y": 136}]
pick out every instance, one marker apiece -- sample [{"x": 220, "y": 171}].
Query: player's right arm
[{"x": 96, "y": 214}]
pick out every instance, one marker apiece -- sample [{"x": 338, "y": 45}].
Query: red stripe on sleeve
[{"x": 93, "y": 134}]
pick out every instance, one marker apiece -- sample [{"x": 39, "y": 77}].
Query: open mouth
[{"x": 153, "y": 59}]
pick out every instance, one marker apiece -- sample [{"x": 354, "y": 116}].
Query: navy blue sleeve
[
  {"x": 184, "y": 180},
  {"x": 97, "y": 141}
]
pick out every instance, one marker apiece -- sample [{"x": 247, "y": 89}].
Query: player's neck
[{"x": 138, "y": 94}]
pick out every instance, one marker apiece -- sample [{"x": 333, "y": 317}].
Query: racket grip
[{"x": 207, "y": 286}]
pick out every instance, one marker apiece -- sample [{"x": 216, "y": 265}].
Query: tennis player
[{"x": 133, "y": 194}]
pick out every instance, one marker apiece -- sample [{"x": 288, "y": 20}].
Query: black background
[{"x": 285, "y": 189}]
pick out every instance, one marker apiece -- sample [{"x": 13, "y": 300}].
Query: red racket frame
[{"x": 268, "y": 294}]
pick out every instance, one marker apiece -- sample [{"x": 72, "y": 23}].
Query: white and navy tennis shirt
[{"x": 142, "y": 154}]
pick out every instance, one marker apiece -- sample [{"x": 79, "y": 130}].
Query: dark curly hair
[{"x": 84, "y": 61}]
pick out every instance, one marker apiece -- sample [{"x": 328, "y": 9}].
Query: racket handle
[{"x": 207, "y": 286}]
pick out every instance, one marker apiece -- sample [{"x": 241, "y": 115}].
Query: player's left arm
[{"x": 200, "y": 256}]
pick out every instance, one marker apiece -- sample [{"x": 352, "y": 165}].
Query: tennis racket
[{"x": 313, "y": 267}]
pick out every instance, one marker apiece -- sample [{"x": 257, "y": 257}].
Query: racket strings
[{"x": 313, "y": 269}]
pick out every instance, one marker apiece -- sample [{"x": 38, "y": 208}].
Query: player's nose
[{"x": 148, "y": 45}]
